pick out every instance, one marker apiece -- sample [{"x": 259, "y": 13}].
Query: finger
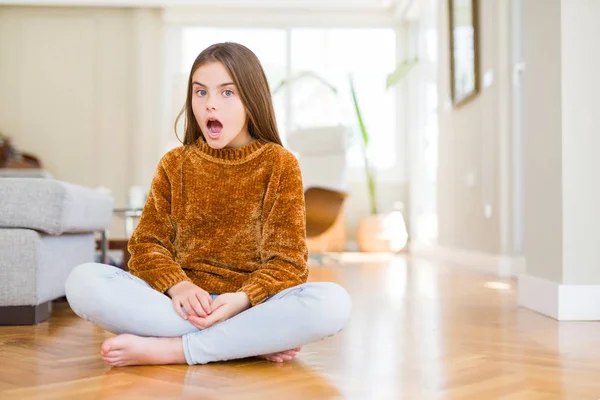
[
  {"x": 217, "y": 302},
  {"x": 197, "y": 307},
  {"x": 210, "y": 320},
  {"x": 198, "y": 322},
  {"x": 188, "y": 307},
  {"x": 204, "y": 302},
  {"x": 218, "y": 315},
  {"x": 290, "y": 353},
  {"x": 277, "y": 359},
  {"x": 178, "y": 309},
  {"x": 205, "y": 323},
  {"x": 285, "y": 357}
]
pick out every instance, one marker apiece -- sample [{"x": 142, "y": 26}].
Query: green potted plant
[
  {"x": 376, "y": 231},
  {"x": 372, "y": 233}
]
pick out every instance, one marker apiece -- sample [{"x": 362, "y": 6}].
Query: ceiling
[
  {"x": 398, "y": 9},
  {"x": 371, "y": 5}
]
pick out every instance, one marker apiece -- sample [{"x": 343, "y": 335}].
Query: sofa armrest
[{"x": 53, "y": 206}]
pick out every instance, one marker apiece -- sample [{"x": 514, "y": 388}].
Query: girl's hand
[
  {"x": 224, "y": 307},
  {"x": 195, "y": 301}
]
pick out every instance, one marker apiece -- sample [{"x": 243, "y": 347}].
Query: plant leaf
[
  {"x": 361, "y": 123},
  {"x": 365, "y": 135},
  {"x": 400, "y": 72}
]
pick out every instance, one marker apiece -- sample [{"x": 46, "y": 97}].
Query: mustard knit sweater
[{"x": 227, "y": 220}]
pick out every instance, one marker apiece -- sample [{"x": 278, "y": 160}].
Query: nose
[{"x": 211, "y": 103}]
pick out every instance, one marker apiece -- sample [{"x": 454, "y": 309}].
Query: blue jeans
[{"x": 122, "y": 303}]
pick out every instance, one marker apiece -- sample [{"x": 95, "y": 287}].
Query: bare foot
[
  {"x": 282, "y": 356},
  {"x": 127, "y": 349}
]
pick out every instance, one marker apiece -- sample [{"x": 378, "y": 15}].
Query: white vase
[{"x": 382, "y": 233}]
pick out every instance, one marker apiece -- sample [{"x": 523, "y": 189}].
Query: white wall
[
  {"x": 560, "y": 139},
  {"x": 561, "y": 160},
  {"x": 580, "y": 86},
  {"x": 542, "y": 138},
  {"x": 420, "y": 119}
]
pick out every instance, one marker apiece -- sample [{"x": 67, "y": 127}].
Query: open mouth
[{"x": 214, "y": 126}]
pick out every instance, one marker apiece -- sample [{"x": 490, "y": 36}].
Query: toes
[
  {"x": 272, "y": 358},
  {"x": 279, "y": 358},
  {"x": 112, "y": 361},
  {"x": 113, "y": 353},
  {"x": 117, "y": 364},
  {"x": 287, "y": 353},
  {"x": 115, "y": 361},
  {"x": 282, "y": 356},
  {"x": 105, "y": 347}
]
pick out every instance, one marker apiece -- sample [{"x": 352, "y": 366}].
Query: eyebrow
[{"x": 221, "y": 85}]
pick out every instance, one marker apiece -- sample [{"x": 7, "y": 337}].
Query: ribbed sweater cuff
[
  {"x": 166, "y": 279},
  {"x": 256, "y": 293}
]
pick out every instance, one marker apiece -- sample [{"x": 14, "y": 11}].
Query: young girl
[{"x": 218, "y": 259}]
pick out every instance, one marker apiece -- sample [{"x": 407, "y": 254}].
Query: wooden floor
[{"x": 419, "y": 330}]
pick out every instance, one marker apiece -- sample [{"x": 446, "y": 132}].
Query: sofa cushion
[
  {"x": 25, "y": 173},
  {"x": 53, "y": 206}
]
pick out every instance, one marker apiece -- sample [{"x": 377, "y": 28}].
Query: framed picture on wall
[{"x": 464, "y": 51}]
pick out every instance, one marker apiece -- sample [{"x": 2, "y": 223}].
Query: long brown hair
[{"x": 252, "y": 85}]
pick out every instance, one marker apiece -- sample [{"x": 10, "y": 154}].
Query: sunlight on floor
[
  {"x": 497, "y": 285},
  {"x": 358, "y": 257}
]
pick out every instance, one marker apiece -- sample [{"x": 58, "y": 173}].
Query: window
[{"x": 333, "y": 54}]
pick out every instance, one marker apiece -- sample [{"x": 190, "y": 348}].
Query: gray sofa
[{"x": 47, "y": 227}]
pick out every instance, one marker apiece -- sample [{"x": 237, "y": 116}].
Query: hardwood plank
[{"x": 419, "y": 330}]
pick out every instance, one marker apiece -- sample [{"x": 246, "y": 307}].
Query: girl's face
[{"x": 218, "y": 108}]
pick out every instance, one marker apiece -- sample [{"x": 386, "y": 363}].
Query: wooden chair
[{"x": 325, "y": 228}]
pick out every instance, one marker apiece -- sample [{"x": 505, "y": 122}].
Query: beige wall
[
  {"x": 561, "y": 119},
  {"x": 561, "y": 143},
  {"x": 542, "y": 138},
  {"x": 474, "y": 147},
  {"x": 580, "y": 64},
  {"x": 80, "y": 89}
]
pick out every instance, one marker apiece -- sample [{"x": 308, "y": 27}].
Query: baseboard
[
  {"x": 503, "y": 266},
  {"x": 539, "y": 295},
  {"x": 561, "y": 302}
]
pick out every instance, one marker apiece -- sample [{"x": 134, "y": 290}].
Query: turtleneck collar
[{"x": 231, "y": 155}]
